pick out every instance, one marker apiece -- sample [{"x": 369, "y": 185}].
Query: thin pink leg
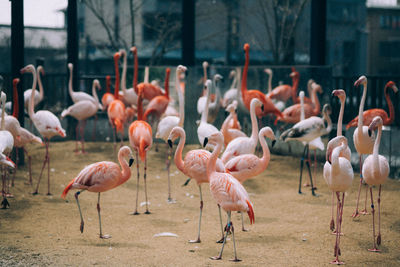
[
  {"x": 48, "y": 168},
  {"x": 44, "y": 165},
  {"x": 374, "y": 249},
  {"x": 315, "y": 169},
  {"x": 378, "y": 239},
  {"x": 337, "y": 250},
  {"x": 332, "y": 226},
  {"x": 364, "y": 211},
  {"x": 356, "y": 213}
]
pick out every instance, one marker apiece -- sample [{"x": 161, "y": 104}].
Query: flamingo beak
[
  {"x": 262, "y": 108},
  {"x": 205, "y": 142},
  {"x": 273, "y": 143},
  {"x": 131, "y": 160},
  {"x": 369, "y": 132},
  {"x": 170, "y": 143}
]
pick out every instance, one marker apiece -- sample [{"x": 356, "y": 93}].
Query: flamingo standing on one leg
[
  {"x": 306, "y": 131},
  {"x": 81, "y": 111},
  {"x": 227, "y": 191},
  {"x": 107, "y": 98},
  {"x": 140, "y": 138},
  {"x": 100, "y": 177},
  {"x": 375, "y": 172},
  {"x": 363, "y": 142},
  {"x": 48, "y": 126},
  {"x": 194, "y": 165},
  {"x": 338, "y": 174},
  {"x": 116, "y": 109}
]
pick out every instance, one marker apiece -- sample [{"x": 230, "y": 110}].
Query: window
[
  {"x": 157, "y": 24},
  {"x": 389, "y": 49}
]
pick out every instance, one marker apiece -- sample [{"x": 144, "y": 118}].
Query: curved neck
[
  {"x": 70, "y": 89},
  {"x": 32, "y": 100},
  {"x": 94, "y": 93},
  {"x": 254, "y": 123},
  {"x": 270, "y": 83},
  {"x": 140, "y": 106},
  {"x": 266, "y": 153},
  {"x": 3, "y": 107},
  {"x": 391, "y": 108},
  {"x": 178, "y": 152},
  {"x": 126, "y": 171},
  {"x": 166, "y": 83},
  {"x": 315, "y": 101},
  {"x": 335, "y": 158},
  {"x": 329, "y": 121},
  {"x": 295, "y": 85},
  {"x": 124, "y": 67},
  {"x": 340, "y": 119},
  {"x": 361, "y": 109},
  {"x": 376, "y": 149},
  {"x": 15, "y": 101},
  {"x": 234, "y": 81},
  {"x": 225, "y": 124},
  {"x": 244, "y": 76},
  {"x": 302, "y": 115},
  {"x": 116, "y": 89},
  {"x": 39, "y": 80},
  {"x": 146, "y": 74},
  {"x": 204, "y": 115},
  {"x": 181, "y": 99},
  {"x": 135, "y": 70},
  {"x": 212, "y": 161}
]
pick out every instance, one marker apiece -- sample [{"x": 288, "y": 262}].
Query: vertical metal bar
[
  {"x": 188, "y": 32},
  {"x": 17, "y": 58},
  {"x": 318, "y": 32}
]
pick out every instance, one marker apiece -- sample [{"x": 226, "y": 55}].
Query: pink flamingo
[
  {"x": 28, "y": 93},
  {"x": 244, "y": 145},
  {"x": 194, "y": 165},
  {"x": 227, "y": 191},
  {"x": 284, "y": 92},
  {"x": 363, "y": 142},
  {"x": 100, "y": 177},
  {"x": 107, "y": 98},
  {"x": 48, "y": 126},
  {"x": 78, "y": 96},
  {"x": 129, "y": 95},
  {"x": 338, "y": 174},
  {"x": 140, "y": 138},
  {"x": 375, "y": 172},
  {"x": 228, "y": 128},
  {"x": 81, "y": 111}
]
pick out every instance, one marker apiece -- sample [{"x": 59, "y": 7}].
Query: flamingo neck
[
  {"x": 135, "y": 70},
  {"x": 315, "y": 101},
  {"x": 204, "y": 74},
  {"x": 3, "y": 107},
  {"x": 70, "y": 89},
  {"x": 123, "y": 76},
  {"x": 204, "y": 115},
  {"x": 361, "y": 109},
  {"x": 140, "y": 106},
  {"x": 244, "y": 76},
  {"x": 212, "y": 161},
  {"x": 270, "y": 83},
  {"x": 166, "y": 83},
  {"x": 116, "y": 90},
  {"x": 375, "y": 154},
  {"x": 391, "y": 108},
  {"x": 178, "y": 153},
  {"x": 126, "y": 171},
  {"x": 15, "y": 101},
  {"x": 302, "y": 114},
  {"x": 335, "y": 158},
  {"x": 254, "y": 123},
  {"x": 266, "y": 153},
  {"x": 238, "y": 92},
  {"x": 94, "y": 93},
  {"x": 146, "y": 75},
  {"x": 181, "y": 100},
  {"x": 329, "y": 121},
  {"x": 340, "y": 119},
  {"x": 234, "y": 81},
  {"x": 32, "y": 100},
  {"x": 39, "y": 80},
  {"x": 225, "y": 124}
]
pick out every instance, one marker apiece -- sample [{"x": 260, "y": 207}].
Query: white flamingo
[
  {"x": 78, "y": 96},
  {"x": 46, "y": 123},
  {"x": 130, "y": 95},
  {"x": 28, "y": 93},
  {"x": 214, "y": 106}
]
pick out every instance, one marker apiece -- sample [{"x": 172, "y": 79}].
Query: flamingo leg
[
  {"x": 44, "y": 165},
  {"x": 222, "y": 227},
  {"x": 170, "y": 200},
  {"x": 332, "y": 226},
  {"x": 374, "y": 249},
  {"x": 364, "y": 211},
  {"x": 336, "y": 251},
  {"x": 227, "y": 229},
  {"x": 145, "y": 185},
  {"x": 309, "y": 171},
  {"x": 114, "y": 138},
  {"x": 201, "y": 212},
  {"x": 356, "y": 213},
  {"x": 315, "y": 169},
  {"x": 233, "y": 237},
  {"x": 378, "y": 239},
  {"x": 243, "y": 229},
  {"x": 98, "y": 211},
  {"x": 301, "y": 168},
  {"x": 137, "y": 184},
  {"x": 79, "y": 208},
  {"x": 4, "y": 202},
  {"x": 29, "y": 165},
  {"x": 48, "y": 168}
]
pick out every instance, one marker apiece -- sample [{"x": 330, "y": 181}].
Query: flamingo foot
[
  {"x": 147, "y": 212},
  {"x": 378, "y": 240},
  {"x": 35, "y": 193},
  {"x": 306, "y": 184},
  {"x": 105, "y": 236},
  {"x": 337, "y": 262},
  {"x": 82, "y": 226},
  {"x": 364, "y": 212},
  {"x": 332, "y": 226},
  {"x": 49, "y": 194},
  {"x": 374, "y": 250},
  {"x": 134, "y": 213},
  {"x": 235, "y": 260},
  {"x": 221, "y": 240},
  {"x": 355, "y": 214},
  {"x": 216, "y": 258},
  {"x": 334, "y": 233},
  {"x": 195, "y": 241},
  {"x": 5, "y": 204},
  {"x": 171, "y": 201},
  {"x": 9, "y": 195},
  {"x": 244, "y": 229},
  {"x": 300, "y": 193}
]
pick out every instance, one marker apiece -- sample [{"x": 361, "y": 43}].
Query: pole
[
  {"x": 188, "y": 32},
  {"x": 318, "y": 32}
]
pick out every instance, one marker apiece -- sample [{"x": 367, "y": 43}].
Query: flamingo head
[
  {"x": 214, "y": 139},
  {"x": 294, "y": 74},
  {"x": 6, "y": 161},
  {"x": 117, "y": 55},
  {"x": 301, "y": 94},
  {"x": 218, "y": 77},
  {"x": 246, "y": 47},
  {"x": 332, "y": 144},
  {"x": 269, "y": 133},
  {"x": 231, "y": 107},
  {"x": 133, "y": 50},
  {"x": 28, "y": 68},
  {"x": 316, "y": 87},
  {"x": 205, "y": 64},
  {"x": 268, "y": 71},
  {"x": 96, "y": 84},
  {"x": 15, "y": 82},
  {"x": 340, "y": 93},
  {"x": 125, "y": 151},
  {"x": 361, "y": 80},
  {"x": 40, "y": 70},
  {"x": 70, "y": 66},
  {"x": 375, "y": 123},
  {"x": 181, "y": 68},
  {"x": 232, "y": 74},
  {"x": 392, "y": 85},
  {"x": 327, "y": 109},
  {"x": 174, "y": 134}
]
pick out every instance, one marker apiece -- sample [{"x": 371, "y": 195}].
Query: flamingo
[
  {"x": 284, "y": 92},
  {"x": 116, "y": 109},
  {"x": 278, "y": 104},
  {"x": 368, "y": 115},
  {"x": 307, "y": 130},
  {"x": 226, "y": 191},
  {"x": 100, "y": 177},
  {"x": 205, "y": 128},
  {"x": 140, "y": 139},
  {"x": 363, "y": 142},
  {"x": 202, "y": 99},
  {"x": 194, "y": 165},
  {"x": 81, "y": 111},
  {"x": 107, "y": 98},
  {"x": 78, "y": 96},
  {"x": 28, "y": 93},
  {"x": 248, "y": 95},
  {"x": 129, "y": 95},
  {"x": 338, "y": 174},
  {"x": 230, "y": 95},
  {"x": 244, "y": 145},
  {"x": 47, "y": 124},
  {"x": 6, "y": 146},
  {"x": 167, "y": 123},
  {"x": 375, "y": 172},
  {"x": 215, "y": 104},
  {"x": 230, "y": 126}
]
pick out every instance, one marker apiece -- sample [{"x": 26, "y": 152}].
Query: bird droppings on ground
[{"x": 165, "y": 234}]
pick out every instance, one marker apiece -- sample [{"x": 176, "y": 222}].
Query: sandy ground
[{"x": 290, "y": 229}]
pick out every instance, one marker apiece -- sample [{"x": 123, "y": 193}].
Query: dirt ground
[{"x": 289, "y": 230}]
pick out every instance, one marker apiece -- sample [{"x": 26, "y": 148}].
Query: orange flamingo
[
  {"x": 368, "y": 115},
  {"x": 230, "y": 127},
  {"x": 116, "y": 109},
  {"x": 284, "y": 92},
  {"x": 194, "y": 165},
  {"x": 248, "y": 95},
  {"x": 100, "y": 177},
  {"x": 226, "y": 191},
  {"x": 140, "y": 138},
  {"x": 107, "y": 98}
]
